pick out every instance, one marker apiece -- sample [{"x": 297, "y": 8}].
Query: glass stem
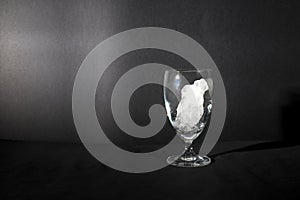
[
  {"x": 188, "y": 146},
  {"x": 189, "y": 154}
]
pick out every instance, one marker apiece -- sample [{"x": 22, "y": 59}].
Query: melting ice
[{"x": 190, "y": 109}]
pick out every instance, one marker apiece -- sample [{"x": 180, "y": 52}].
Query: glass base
[{"x": 189, "y": 161}]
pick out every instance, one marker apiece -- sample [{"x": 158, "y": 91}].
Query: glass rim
[{"x": 193, "y": 70}]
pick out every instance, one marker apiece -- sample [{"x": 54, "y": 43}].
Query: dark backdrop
[{"x": 255, "y": 45}]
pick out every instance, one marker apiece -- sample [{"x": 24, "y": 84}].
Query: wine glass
[{"x": 188, "y": 102}]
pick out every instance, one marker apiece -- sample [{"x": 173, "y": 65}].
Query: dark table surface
[{"x": 241, "y": 170}]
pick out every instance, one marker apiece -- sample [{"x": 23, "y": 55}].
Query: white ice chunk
[{"x": 190, "y": 109}]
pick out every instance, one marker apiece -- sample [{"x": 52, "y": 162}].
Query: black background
[{"x": 255, "y": 45}]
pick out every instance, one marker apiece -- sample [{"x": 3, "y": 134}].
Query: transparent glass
[{"x": 188, "y": 103}]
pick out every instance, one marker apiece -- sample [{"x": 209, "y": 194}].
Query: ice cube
[{"x": 190, "y": 109}]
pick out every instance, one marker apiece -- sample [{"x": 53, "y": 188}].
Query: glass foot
[{"x": 190, "y": 161}]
